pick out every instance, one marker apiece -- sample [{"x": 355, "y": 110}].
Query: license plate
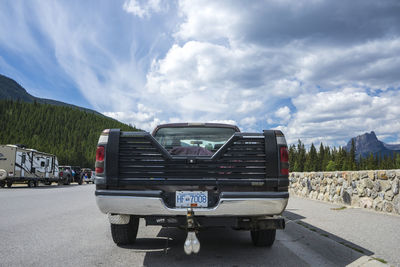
[{"x": 194, "y": 199}]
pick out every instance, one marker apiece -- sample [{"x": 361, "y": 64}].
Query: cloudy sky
[{"x": 318, "y": 70}]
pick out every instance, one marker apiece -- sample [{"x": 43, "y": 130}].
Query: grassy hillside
[{"x": 69, "y": 133}]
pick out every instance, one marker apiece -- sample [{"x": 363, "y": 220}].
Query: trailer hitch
[{"x": 192, "y": 244}]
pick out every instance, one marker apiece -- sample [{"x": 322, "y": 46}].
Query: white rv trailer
[{"x": 22, "y": 165}]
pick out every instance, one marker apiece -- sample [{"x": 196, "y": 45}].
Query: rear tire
[
  {"x": 67, "y": 180},
  {"x": 9, "y": 184},
  {"x": 31, "y": 183},
  {"x": 263, "y": 238},
  {"x": 125, "y": 234},
  {"x": 2, "y": 184}
]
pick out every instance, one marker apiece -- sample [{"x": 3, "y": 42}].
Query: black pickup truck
[{"x": 193, "y": 176}]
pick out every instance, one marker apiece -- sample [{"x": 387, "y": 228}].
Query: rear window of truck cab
[{"x": 209, "y": 138}]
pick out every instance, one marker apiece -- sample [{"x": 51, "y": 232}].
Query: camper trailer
[{"x": 22, "y": 165}]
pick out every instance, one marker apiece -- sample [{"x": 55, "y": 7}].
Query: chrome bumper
[{"x": 143, "y": 206}]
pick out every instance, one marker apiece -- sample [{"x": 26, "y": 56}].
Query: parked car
[
  {"x": 68, "y": 175},
  {"x": 87, "y": 176}
]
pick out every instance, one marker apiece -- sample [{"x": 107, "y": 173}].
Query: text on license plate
[{"x": 195, "y": 199}]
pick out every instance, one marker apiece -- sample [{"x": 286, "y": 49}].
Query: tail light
[
  {"x": 61, "y": 174},
  {"x": 100, "y": 160},
  {"x": 284, "y": 160},
  {"x": 100, "y": 153}
]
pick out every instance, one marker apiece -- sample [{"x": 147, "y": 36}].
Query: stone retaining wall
[{"x": 378, "y": 190}]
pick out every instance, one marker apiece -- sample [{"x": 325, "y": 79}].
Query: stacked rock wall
[{"x": 378, "y": 190}]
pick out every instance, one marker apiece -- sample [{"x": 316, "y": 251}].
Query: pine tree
[
  {"x": 301, "y": 157},
  {"x": 321, "y": 156},
  {"x": 311, "y": 160},
  {"x": 352, "y": 156},
  {"x": 398, "y": 161},
  {"x": 327, "y": 158},
  {"x": 292, "y": 158},
  {"x": 371, "y": 162},
  {"x": 340, "y": 159}
]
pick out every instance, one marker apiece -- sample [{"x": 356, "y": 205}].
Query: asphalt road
[{"x": 61, "y": 226}]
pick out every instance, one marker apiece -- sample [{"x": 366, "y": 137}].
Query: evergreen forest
[
  {"x": 337, "y": 159},
  {"x": 69, "y": 133}
]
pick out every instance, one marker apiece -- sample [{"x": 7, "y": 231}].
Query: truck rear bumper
[{"x": 144, "y": 203}]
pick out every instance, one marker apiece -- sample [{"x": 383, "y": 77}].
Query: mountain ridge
[
  {"x": 12, "y": 90},
  {"x": 368, "y": 143}
]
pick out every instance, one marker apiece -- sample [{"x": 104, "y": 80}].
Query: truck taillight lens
[
  {"x": 284, "y": 160},
  {"x": 61, "y": 173},
  {"x": 100, "y": 153},
  {"x": 100, "y": 160}
]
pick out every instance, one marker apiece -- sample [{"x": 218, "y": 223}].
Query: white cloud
[
  {"x": 248, "y": 106},
  {"x": 215, "y": 79},
  {"x": 207, "y": 20},
  {"x": 286, "y": 88},
  {"x": 223, "y": 121},
  {"x": 142, "y": 8},
  {"x": 203, "y": 77},
  {"x": 283, "y": 113},
  {"x": 297, "y": 69},
  {"x": 372, "y": 64},
  {"x": 144, "y": 118},
  {"x": 248, "y": 121}
]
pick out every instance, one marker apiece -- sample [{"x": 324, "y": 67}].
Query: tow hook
[{"x": 192, "y": 244}]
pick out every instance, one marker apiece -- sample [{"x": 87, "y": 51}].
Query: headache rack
[{"x": 140, "y": 159}]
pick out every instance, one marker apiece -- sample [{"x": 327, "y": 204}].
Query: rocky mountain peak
[
  {"x": 371, "y": 136},
  {"x": 368, "y": 143}
]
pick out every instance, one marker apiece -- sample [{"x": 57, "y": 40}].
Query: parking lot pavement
[{"x": 62, "y": 226}]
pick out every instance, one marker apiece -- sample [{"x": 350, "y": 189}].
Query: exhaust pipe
[{"x": 192, "y": 244}]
